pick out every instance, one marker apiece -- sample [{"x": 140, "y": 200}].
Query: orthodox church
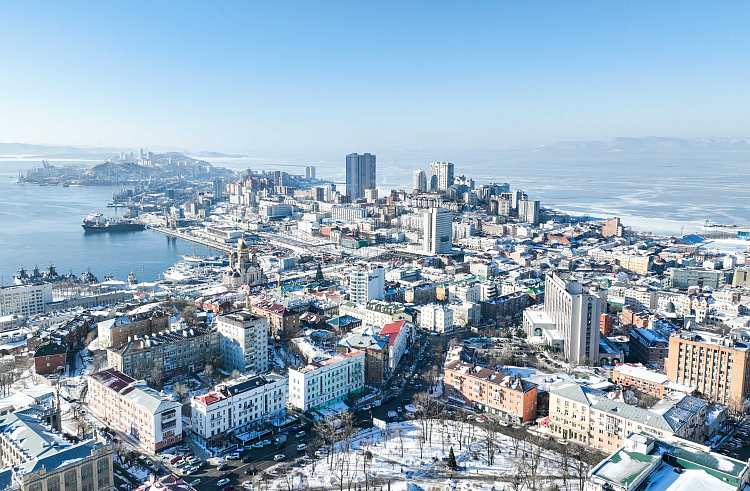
[{"x": 242, "y": 269}]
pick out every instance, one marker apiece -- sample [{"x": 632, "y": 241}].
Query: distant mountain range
[
  {"x": 651, "y": 144},
  {"x": 89, "y": 153}
]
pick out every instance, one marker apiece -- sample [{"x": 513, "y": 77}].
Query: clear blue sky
[{"x": 348, "y": 76}]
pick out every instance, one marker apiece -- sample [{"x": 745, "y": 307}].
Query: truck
[
  {"x": 280, "y": 440},
  {"x": 392, "y": 414}
]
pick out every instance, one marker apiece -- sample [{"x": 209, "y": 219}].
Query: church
[{"x": 242, "y": 269}]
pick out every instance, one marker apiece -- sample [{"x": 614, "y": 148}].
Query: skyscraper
[
  {"x": 360, "y": 174},
  {"x": 419, "y": 182},
  {"x": 441, "y": 175},
  {"x": 437, "y": 224},
  {"x": 218, "y": 188},
  {"x": 528, "y": 211},
  {"x": 366, "y": 284},
  {"x": 310, "y": 172}
]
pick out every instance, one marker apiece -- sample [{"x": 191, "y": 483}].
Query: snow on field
[{"x": 403, "y": 454}]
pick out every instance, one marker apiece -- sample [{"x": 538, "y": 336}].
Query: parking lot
[{"x": 738, "y": 445}]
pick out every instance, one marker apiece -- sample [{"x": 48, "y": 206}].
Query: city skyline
[{"x": 479, "y": 77}]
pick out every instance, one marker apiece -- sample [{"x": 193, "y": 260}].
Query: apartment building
[
  {"x": 376, "y": 312},
  {"x": 648, "y": 347},
  {"x": 508, "y": 397},
  {"x": 238, "y": 407},
  {"x": 377, "y": 354},
  {"x": 116, "y": 331},
  {"x": 25, "y": 299},
  {"x": 50, "y": 358},
  {"x": 134, "y": 408},
  {"x": 589, "y": 417},
  {"x": 35, "y": 457},
  {"x": 172, "y": 353},
  {"x": 283, "y": 323},
  {"x": 436, "y": 318},
  {"x": 716, "y": 365},
  {"x": 366, "y": 285},
  {"x": 398, "y": 339},
  {"x": 243, "y": 342},
  {"x": 629, "y": 376},
  {"x": 326, "y": 382}
]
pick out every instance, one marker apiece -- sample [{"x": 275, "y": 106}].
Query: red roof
[
  {"x": 392, "y": 330},
  {"x": 209, "y": 398}
]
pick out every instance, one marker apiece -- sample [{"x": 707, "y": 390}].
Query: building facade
[
  {"x": 366, "y": 284},
  {"x": 283, "y": 323},
  {"x": 360, "y": 174},
  {"x": 122, "y": 329},
  {"x": 134, "y": 408},
  {"x": 437, "y": 231},
  {"x": 25, "y": 299},
  {"x": 326, "y": 382},
  {"x": 441, "y": 176},
  {"x": 648, "y": 347},
  {"x": 436, "y": 318},
  {"x": 243, "y": 342},
  {"x": 419, "y": 181}
]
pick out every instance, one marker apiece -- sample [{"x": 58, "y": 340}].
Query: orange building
[
  {"x": 506, "y": 396},
  {"x": 606, "y": 325}
]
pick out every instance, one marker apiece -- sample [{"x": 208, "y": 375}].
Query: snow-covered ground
[{"x": 402, "y": 455}]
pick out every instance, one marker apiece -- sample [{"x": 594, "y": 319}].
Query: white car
[
  {"x": 301, "y": 447},
  {"x": 222, "y": 482},
  {"x": 279, "y": 457},
  {"x": 195, "y": 482},
  {"x": 258, "y": 445},
  {"x": 233, "y": 456},
  {"x": 562, "y": 442}
]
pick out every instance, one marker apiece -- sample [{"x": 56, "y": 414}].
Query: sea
[{"x": 659, "y": 192}]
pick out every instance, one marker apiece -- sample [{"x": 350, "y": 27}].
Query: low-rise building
[
  {"x": 133, "y": 408},
  {"x": 377, "y": 354},
  {"x": 326, "y": 382},
  {"x": 436, "y": 318},
  {"x": 169, "y": 354},
  {"x": 283, "y": 323},
  {"x": 114, "y": 332},
  {"x": 648, "y": 347},
  {"x": 629, "y": 376},
  {"x": 50, "y": 358},
  {"x": 238, "y": 407},
  {"x": 398, "y": 339},
  {"x": 509, "y": 397}
]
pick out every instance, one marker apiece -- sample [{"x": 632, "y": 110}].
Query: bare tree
[
  {"x": 235, "y": 374},
  {"x": 210, "y": 374},
  {"x": 533, "y": 459},
  {"x": 490, "y": 441},
  {"x": 158, "y": 377},
  {"x": 182, "y": 391}
]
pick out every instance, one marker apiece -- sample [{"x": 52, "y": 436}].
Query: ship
[{"x": 96, "y": 222}]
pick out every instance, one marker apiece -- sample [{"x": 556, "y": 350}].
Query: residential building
[
  {"x": 50, "y": 358},
  {"x": 703, "y": 278},
  {"x": 505, "y": 307},
  {"x": 377, "y": 354},
  {"x": 366, "y": 284},
  {"x": 238, "y": 407},
  {"x": 117, "y": 331},
  {"x": 716, "y": 365},
  {"x": 528, "y": 211},
  {"x": 612, "y": 228},
  {"x": 274, "y": 211},
  {"x": 419, "y": 181},
  {"x": 398, "y": 339},
  {"x": 575, "y": 311},
  {"x": 587, "y": 416},
  {"x": 376, "y": 312},
  {"x": 25, "y": 300},
  {"x": 511, "y": 398},
  {"x": 325, "y": 382},
  {"x": 441, "y": 176},
  {"x": 648, "y": 347},
  {"x": 629, "y": 376},
  {"x": 35, "y": 457},
  {"x": 484, "y": 269},
  {"x": 437, "y": 231},
  {"x": 243, "y": 342},
  {"x": 436, "y": 318},
  {"x": 135, "y": 409},
  {"x": 283, "y": 323},
  {"x": 465, "y": 291},
  {"x": 741, "y": 277},
  {"x": 310, "y": 172},
  {"x": 420, "y": 294},
  {"x": 647, "y": 462},
  {"x": 360, "y": 174},
  {"x": 348, "y": 213},
  {"x": 168, "y": 354}
]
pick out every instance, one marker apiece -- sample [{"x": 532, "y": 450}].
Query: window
[
  {"x": 53, "y": 483},
  {"x": 102, "y": 466},
  {"x": 71, "y": 479},
  {"x": 87, "y": 472}
]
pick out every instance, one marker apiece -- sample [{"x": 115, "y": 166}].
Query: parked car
[
  {"x": 247, "y": 458},
  {"x": 195, "y": 482},
  {"x": 233, "y": 456},
  {"x": 300, "y": 434},
  {"x": 176, "y": 459},
  {"x": 222, "y": 482},
  {"x": 279, "y": 457},
  {"x": 223, "y": 466},
  {"x": 225, "y": 474}
]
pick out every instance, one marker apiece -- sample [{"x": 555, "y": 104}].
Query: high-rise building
[
  {"x": 528, "y": 211},
  {"x": 576, "y": 313},
  {"x": 612, "y": 228},
  {"x": 360, "y": 174},
  {"x": 140, "y": 154},
  {"x": 371, "y": 195},
  {"x": 25, "y": 299},
  {"x": 419, "y": 182},
  {"x": 243, "y": 342},
  {"x": 366, "y": 285},
  {"x": 441, "y": 176},
  {"x": 218, "y": 189},
  {"x": 437, "y": 225},
  {"x": 310, "y": 172}
]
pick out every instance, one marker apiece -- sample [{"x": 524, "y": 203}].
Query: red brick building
[
  {"x": 50, "y": 358},
  {"x": 606, "y": 324}
]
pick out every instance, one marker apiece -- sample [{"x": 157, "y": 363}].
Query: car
[
  {"x": 189, "y": 470},
  {"x": 247, "y": 484},
  {"x": 258, "y": 445},
  {"x": 562, "y": 442},
  {"x": 247, "y": 458},
  {"x": 266, "y": 442},
  {"x": 301, "y": 447},
  {"x": 250, "y": 471},
  {"x": 195, "y": 482},
  {"x": 225, "y": 474},
  {"x": 294, "y": 428},
  {"x": 222, "y": 467},
  {"x": 279, "y": 457},
  {"x": 176, "y": 459},
  {"x": 320, "y": 454},
  {"x": 233, "y": 456},
  {"x": 400, "y": 409},
  {"x": 300, "y": 434},
  {"x": 228, "y": 487}
]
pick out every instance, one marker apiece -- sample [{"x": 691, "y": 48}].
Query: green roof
[{"x": 624, "y": 467}]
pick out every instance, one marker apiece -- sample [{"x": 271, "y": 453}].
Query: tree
[
  {"x": 157, "y": 376},
  {"x": 210, "y": 374},
  {"x": 452, "y": 459},
  {"x": 490, "y": 437},
  {"x": 235, "y": 374},
  {"x": 182, "y": 391},
  {"x": 319, "y": 273}
]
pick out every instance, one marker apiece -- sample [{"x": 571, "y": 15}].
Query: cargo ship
[{"x": 96, "y": 222}]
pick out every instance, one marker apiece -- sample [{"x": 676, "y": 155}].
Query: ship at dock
[{"x": 97, "y": 222}]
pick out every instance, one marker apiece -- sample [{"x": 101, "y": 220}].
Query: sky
[{"x": 296, "y": 77}]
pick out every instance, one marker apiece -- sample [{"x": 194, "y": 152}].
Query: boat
[
  {"x": 96, "y": 222},
  {"x": 179, "y": 273}
]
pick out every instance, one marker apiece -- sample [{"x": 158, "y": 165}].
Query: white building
[
  {"x": 238, "y": 406},
  {"x": 419, "y": 181},
  {"x": 465, "y": 292},
  {"x": 323, "y": 383},
  {"x": 441, "y": 176},
  {"x": 348, "y": 213},
  {"x": 436, "y": 318},
  {"x": 25, "y": 299},
  {"x": 398, "y": 335},
  {"x": 274, "y": 211},
  {"x": 484, "y": 269},
  {"x": 575, "y": 311},
  {"x": 438, "y": 231},
  {"x": 463, "y": 230},
  {"x": 528, "y": 211},
  {"x": 366, "y": 285},
  {"x": 243, "y": 342}
]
